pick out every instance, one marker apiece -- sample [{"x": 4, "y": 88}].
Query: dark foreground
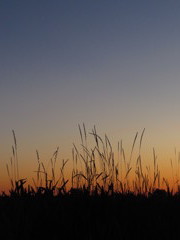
[{"x": 80, "y": 216}]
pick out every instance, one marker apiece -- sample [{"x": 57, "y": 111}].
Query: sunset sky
[{"x": 113, "y": 64}]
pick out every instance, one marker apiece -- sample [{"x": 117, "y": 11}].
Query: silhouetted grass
[{"x": 108, "y": 197}]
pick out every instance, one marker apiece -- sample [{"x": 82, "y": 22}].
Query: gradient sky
[{"x": 115, "y": 64}]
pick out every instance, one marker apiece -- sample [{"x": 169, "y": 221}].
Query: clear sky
[{"x": 115, "y": 64}]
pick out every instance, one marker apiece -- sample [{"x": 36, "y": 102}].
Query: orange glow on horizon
[{"x": 117, "y": 162}]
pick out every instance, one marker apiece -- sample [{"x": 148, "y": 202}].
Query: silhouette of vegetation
[{"x": 101, "y": 200}]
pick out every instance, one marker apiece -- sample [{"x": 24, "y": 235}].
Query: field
[{"x": 101, "y": 200}]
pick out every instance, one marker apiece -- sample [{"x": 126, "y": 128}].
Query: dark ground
[{"x": 80, "y": 216}]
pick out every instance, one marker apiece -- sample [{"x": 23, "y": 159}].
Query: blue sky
[{"x": 110, "y": 63}]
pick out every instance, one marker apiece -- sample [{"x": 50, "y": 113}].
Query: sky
[{"x": 113, "y": 64}]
